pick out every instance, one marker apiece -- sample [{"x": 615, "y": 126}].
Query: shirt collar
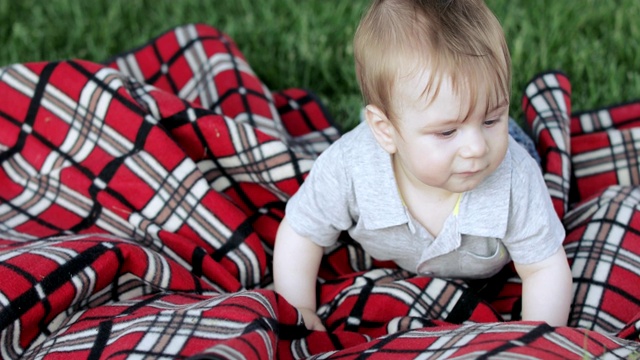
[
  {"x": 484, "y": 211},
  {"x": 375, "y": 185}
]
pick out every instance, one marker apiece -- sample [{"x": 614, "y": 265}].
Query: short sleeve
[
  {"x": 319, "y": 210},
  {"x": 534, "y": 231}
]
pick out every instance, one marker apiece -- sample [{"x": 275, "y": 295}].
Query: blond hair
[{"x": 460, "y": 40}]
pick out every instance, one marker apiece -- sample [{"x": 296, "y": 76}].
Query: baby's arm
[
  {"x": 296, "y": 260},
  {"x": 546, "y": 289}
]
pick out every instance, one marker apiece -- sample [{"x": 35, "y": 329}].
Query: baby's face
[{"x": 446, "y": 143}]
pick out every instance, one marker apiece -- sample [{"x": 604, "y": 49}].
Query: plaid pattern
[
  {"x": 139, "y": 201},
  {"x": 606, "y": 157},
  {"x": 599, "y": 201},
  {"x": 604, "y": 245},
  {"x": 491, "y": 341},
  {"x": 547, "y": 106}
]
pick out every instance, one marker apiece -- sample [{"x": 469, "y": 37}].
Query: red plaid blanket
[{"x": 139, "y": 201}]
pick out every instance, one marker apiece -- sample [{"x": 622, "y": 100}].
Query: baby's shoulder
[
  {"x": 349, "y": 147},
  {"x": 526, "y": 175},
  {"x": 356, "y": 137},
  {"x": 522, "y": 163}
]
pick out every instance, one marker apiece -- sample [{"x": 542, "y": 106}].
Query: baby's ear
[{"x": 381, "y": 127}]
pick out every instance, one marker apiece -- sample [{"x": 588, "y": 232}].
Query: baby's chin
[{"x": 464, "y": 183}]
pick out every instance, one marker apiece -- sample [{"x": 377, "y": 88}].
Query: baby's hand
[{"x": 311, "y": 320}]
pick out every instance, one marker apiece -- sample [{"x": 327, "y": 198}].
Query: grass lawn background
[{"x": 303, "y": 43}]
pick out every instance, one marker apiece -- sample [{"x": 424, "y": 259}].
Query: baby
[{"x": 432, "y": 179}]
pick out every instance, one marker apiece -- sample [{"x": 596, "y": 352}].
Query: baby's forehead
[{"x": 421, "y": 91}]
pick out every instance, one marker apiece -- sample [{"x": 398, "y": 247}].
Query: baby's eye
[
  {"x": 491, "y": 122},
  {"x": 446, "y": 134}
]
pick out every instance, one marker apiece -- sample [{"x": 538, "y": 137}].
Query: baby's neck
[
  {"x": 429, "y": 205},
  {"x": 430, "y": 209}
]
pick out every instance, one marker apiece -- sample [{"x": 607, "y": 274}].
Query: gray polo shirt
[{"x": 352, "y": 187}]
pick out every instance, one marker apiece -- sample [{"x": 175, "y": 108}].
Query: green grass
[{"x": 292, "y": 43}]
